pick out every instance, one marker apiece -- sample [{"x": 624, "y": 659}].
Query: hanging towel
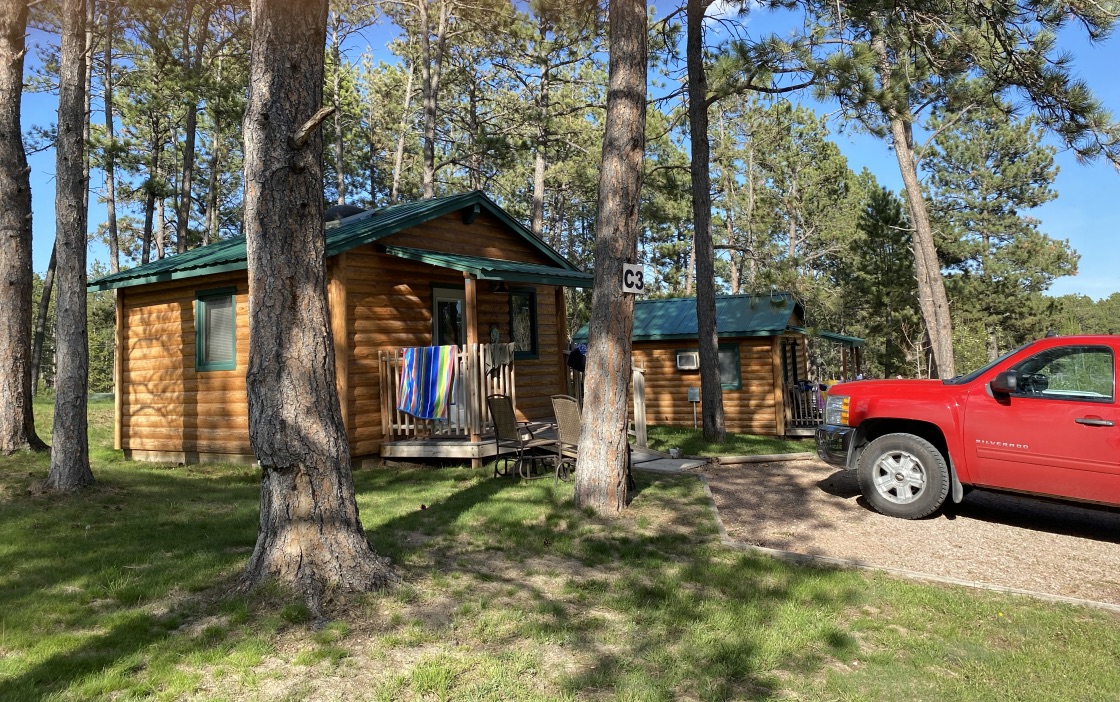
[{"x": 425, "y": 386}]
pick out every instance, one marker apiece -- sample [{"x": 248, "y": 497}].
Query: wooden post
[
  {"x": 639, "y": 388},
  {"x": 470, "y": 295},
  {"x": 776, "y": 353},
  {"x": 118, "y": 372},
  {"x": 337, "y": 299},
  {"x": 858, "y": 353},
  {"x": 562, "y": 337}
]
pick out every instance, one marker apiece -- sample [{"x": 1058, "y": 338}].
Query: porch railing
[{"x": 466, "y": 414}]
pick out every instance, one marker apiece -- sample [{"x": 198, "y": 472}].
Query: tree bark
[
  {"x": 310, "y": 535},
  {"x": 603, "y": 454},
  {"x": 711, "y": 389},
  {"x": 17, "y": 421},
  {"x": 40, "y": 329},
  {"x": 336, "y": 93},
  {"x": 70, "y": 453},
  {"x": 539, "y": 164},
  {"x": 110, "y": 147},
  {"x": 210, "y": 232},
  {"x": 932, "y": 299},
  {"x": 431, "y": 73},
  {"x": 398, "y": 157},
  {"x": 192, "y": 61}
]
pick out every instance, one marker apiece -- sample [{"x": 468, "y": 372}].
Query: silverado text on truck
[{"x": 1042, "y": 419}]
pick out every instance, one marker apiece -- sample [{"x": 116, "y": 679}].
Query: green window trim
[
  {"x": 202, "y": 333},
  {"x": 733, "y": 351},
  {"x": 533, "y": 352}
]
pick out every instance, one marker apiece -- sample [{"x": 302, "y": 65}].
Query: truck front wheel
[{"x": 903, "y": 475}]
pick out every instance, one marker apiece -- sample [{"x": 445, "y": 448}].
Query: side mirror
[{"x": 1005, "y": 383}]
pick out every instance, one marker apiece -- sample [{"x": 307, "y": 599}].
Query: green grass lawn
[
  {"x": 692, "y": 443},
  {"x": 122, "y": 592}
]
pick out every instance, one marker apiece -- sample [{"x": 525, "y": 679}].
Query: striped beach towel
[{"x": 425, "y": 387}]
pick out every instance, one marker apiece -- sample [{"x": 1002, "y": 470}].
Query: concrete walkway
[{"x": 657, "y": 462}]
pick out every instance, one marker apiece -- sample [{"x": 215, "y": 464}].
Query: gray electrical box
[{"x": 694, "y": 394}]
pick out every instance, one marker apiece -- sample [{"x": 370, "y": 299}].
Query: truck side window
[{"x": 1084, "y": 373}]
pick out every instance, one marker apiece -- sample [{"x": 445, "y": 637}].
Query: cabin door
[
  {"x": 449, "y": 328},
  {"x": 449, "y": 312}
]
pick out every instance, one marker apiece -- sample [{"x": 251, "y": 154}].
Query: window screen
[
  {"x": 215, "y": 330},
  {"x": 523, "y": 323},
  {"x": 729, "y": 377}
]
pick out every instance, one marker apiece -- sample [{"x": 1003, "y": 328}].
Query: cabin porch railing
[{"x": 466, "y": 414}]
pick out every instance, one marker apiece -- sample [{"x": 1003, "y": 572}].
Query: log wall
[
  {"x": 756, "y": 409},
  {"x": 168, "y": 410}
]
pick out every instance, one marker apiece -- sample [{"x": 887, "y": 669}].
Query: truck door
[{"x": 1057, "y": 434}]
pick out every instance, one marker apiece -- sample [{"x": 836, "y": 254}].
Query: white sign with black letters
[{"x": 633, "y": 278}]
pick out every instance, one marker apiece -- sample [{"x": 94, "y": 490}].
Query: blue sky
[{"x": 1085, "y": 212}]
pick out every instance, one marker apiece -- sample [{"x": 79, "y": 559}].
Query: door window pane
[
  {"x": 448, "y": 314},
  {"x": 1068, "y": 373},
  {"x": 523, "y": 323}
]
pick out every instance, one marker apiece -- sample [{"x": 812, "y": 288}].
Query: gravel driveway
[{"x": 809, "y": 507}]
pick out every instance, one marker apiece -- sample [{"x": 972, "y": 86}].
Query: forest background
[{"x": 510, "y": 99}]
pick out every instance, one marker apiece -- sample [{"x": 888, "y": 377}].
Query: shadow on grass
[
  {"x": 652, "y": 615},
  {"x": 124, "y": 587}
]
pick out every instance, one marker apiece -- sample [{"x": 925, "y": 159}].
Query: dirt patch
[{"x": 812, "y": 508}]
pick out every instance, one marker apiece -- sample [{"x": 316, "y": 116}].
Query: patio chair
[
  {"x": 568, "y": 423},
  {"x": 513, "y": 441},
  {"x": 565, "y": 409}
]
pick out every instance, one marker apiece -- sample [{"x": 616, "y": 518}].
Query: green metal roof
[
  {"x": 229, "y": 254},
  {"x": 736, "y": 316},
  {"x": 496, "y": 269}
]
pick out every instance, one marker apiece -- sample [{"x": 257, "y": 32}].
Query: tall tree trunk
[
  {"x": 431, "y": 72},
  {"x": 210, "y": 234},
  {"x": 603, "y": 454},
  {"x": 70, "y": 452},
  {"x": 336, "y": 95},
  {"x": 711, "y": 389},
  {"x": 110, "y": 146},
  {"x": 40, "y": 330},
  {"x": 17, "y": 421},
  {"x": 537, "y": 217},
  {"x": 310, "y": 535},
  {"x": 932, "y": 299},
  {"x": 192, "y": 60},
  {"x": 398, "y": 157},
  {"x": 159, "y": 234}
]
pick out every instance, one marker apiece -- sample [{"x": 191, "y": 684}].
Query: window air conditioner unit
[{"x": 688, "y": 360}]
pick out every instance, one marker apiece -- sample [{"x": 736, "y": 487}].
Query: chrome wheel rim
[{"x": 899, "y": 477}]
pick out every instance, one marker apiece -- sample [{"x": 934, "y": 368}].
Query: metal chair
[
  {"x": 565, "y": 409},
  {"x": 512, "y": 440},
  {"x": 568, "y": 424}
]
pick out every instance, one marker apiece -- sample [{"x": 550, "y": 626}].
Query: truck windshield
[{"x": 962, "y": 379}]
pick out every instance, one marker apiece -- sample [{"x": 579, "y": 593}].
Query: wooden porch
[{"x": 466, "y": 431}]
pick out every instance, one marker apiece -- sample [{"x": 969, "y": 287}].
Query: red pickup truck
[{"x": 1042, "y": 419}]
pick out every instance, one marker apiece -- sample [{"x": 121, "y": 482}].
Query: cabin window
[
  {"x": 729, "y": 377},
  {"x": 215, "y": 330},
  {"x": 448, "y": 317},
  {"x": 523, "y": 323}
]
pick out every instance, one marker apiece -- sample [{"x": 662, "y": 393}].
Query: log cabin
[
  {"x": 453, "y": 270},
  {"x": 763, "y": 362}
]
